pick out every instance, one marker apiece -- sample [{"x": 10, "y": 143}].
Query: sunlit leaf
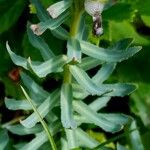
[
  {"x": 108, "y": 55},
  {"x": 53, "y": 65}
]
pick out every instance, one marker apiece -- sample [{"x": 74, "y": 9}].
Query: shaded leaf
[
  {"x": 43, "y": 109},
  {"x": 66, "y": 107}
]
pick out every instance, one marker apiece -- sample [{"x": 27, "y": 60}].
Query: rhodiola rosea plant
[{"x": 59, "y": 118}]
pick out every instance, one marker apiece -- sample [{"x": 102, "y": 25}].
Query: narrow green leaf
[
  {"x": 117, "y": 118},
  {"x": 41, "y": 12},
  {"x": 13, "y": 104},
  {"x": 120, "y": 147},
  {"x": 90, "y": 63},
  {"x": 47, "y": 131},
  {"x": 41, "y": 138},
  {"x": 104, "y": 73},
  {"x": 43, "y": 110},
  {"x": 99, "y": 103},
  {"x": 4, "y": 139},
  {"x": 40, "y": 44},
  {"x": 108, "y": 55},
  {"x": 79, "y": 92},
  {"x": 43, "y": 16},
  {"x": 120, "y": 89},
  {"x": 34, "y": 89},
  {"x": 135, "y": 138},
  {"x": 71, "y": 138},
  {"x": 85, "y": 140},
  {"x": 20, "y": 130},
  {"x": 66, "y": 107},
  {"x": 122, "y": 44},
  {"x": 64, "y": 144},
  {"x": 58, "y": 8},
  {"x": 93, "y": 117},
  {"x": 53, "y": 65},
  {"x": 73, "y": 50},
  {"x": 84, "y": 80},
  {"x": 17, "y": 60},
  {"x": 60, "y": 33},
  {"x": 49, "y": 24}
]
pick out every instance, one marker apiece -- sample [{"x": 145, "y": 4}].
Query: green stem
[
  {"x": 67, "y": 74},
  {"x": 51, "y": 140},
  {"x": 77, "y": 11}
]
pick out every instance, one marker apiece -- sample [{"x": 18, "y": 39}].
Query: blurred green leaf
[{"x": 10, "y": 9}]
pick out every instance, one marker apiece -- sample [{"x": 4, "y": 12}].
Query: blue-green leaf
[
  {"x": 43, "y": 16},
  {"x": 13, "y": 104},
  {"x": 99, "y": 103},
  {"x": 104, "y": 73},
  {"x": 117, "y": 89},
  {"x": 135, "y": 138},
  {"x": 93, "y": 117},
  {"x": 20, "y": 130},
  {"x": 34, "y": 89},
  {"x": 41, "y": 12},
  {"x": 66, "y": 106},
  {"x": 51, "y": 24},
  {"x": 116, "y": 118},
  {"x": 121, "y": 147},
  {"x": 40, "y": 44},
  {"x": 60, "y": 33},
  {"x": 4, "y": 139},
  {"x": 85, "y": 140},
  {"x": 17, "y": 60},
  {"x": 122, "y": 44},
  {"x": 71, "y": 138},
  {"x": 87, "y": 84},
  {"x": 58, "y": 8},
  {"x": 108, "y": 55},
  {"x": 43, "y": 110},
  {"x": 89, "y": 63},
  {"x": 41, "y": 138},
  {"x": 73, "y": 50},
  {"x": 53, "y": 65}
]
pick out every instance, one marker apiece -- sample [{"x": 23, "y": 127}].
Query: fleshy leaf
[
  {"x": 51, "y": 24},
  {"x": 41, "y": 138},
  {"x": 17, "y": 60},
  {"x": 104, "y": 73},
  {"x": 40, "y": 44},
  {"x": 71, "y": 138},
  {"x": 58, "y": 8},
  {"x": 84, "y": 80},
  {"x": 34, "y": 89},
  {"x": 20, "y": 130},
  {"x": 99, "y": 103},
  {"x": 4, "y": 139},
  {"x": 43, "y": 110},
  {"x": 13, "y": 104},
  {"x": 93, "y": 117},
  {"x": 108, "y": 55},
  {"x": 53, "y": 65},
  {"x": 73, "y": 50},
  {"x": 90, "y": 63},
  {"x": 85, "y": 140},
  {"x": 66, "y": 107},
  {"x": 43, "y": 16}
]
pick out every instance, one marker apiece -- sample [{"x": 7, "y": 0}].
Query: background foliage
[{"x": 125, "y": 19}]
